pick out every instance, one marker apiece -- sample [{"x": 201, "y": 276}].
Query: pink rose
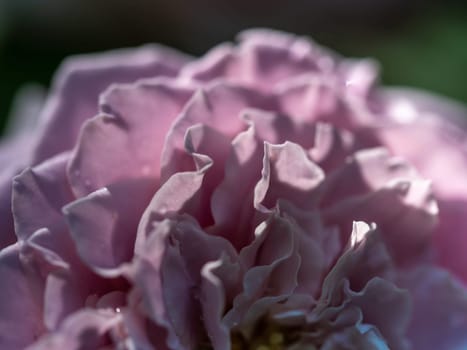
[{"x": 267, "y": 195}]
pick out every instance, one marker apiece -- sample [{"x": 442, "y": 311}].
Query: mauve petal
[
  {"x": 104, "y": 223},
  {"x": 20, "y": 302},
  {"x": 440, "y": 128},
  {"x": 270, "y": 126},
  {"x": 450, "y": 239},
  {"x": 217, "y": 63},
  {"x": 271, "y": 269},
  {"x": 15, "y": 152},
  {"x": 312, "y": 233},
  {"x": 219, "y": 106},
  {"x": 187, "y": 249},
  {"x": 81, "y": 79},
  {"x": 85, "y": 329},
  {"x": 136, "y": 332},
  {"x": 364, "y": 258},
  {"x": 262, "y": 59},
  {"x": 197, "y": 247},
  {"x": 386, "y": 307},
  {"x": 360, "y": 76},
  {"x": 46, "y": 251},
  {"x": 188, "y": 192},
  {"x": 62, "y": 296},
  {"x": 269, "y": 57},
  {"x": 393, "y": 190},
  {"x": 126, "y": 141},
  {"x": 331, "y": 146},
  {"x": 67, "y": 282},
  {"x": 287, "y": 174},
  {"x": 39, "y": 193},
  {"x": 177, "y": 195},
  {"x": 219, "y": 279},
  {"x": 318, "y": 99},
  {"x": 354, "y": 339},
  {"x": 439, "y": 319},
  {"x": 232, "y": 205},
  {"x": 207, "y": 146},
  {"x": 361, "y": 278},
  {"x": 159, "y": 274}
]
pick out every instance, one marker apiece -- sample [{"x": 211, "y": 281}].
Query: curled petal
[
  {"x": 287, "y": 174},
  {"x": 126, "y": 142},
  {"x": 219, "y": 106}
]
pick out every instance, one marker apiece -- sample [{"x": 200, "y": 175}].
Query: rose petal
[
  {"x": 271, "y": 270},
  {"x": 387, "y": 308},
  {"x": 159, "y": 274},
  {"x": 20, "y": 302},
  {"x": 287, "y": 174},
  {"x": 104, "y": 223},
  {"x": 354, "y": 339},
  {"x": 393, "y": 190},
  {"x": 39, "y": 193},
  {"x": 220, "y": 278},
  {"x": 439, "y": 302},
  {"x": 126, "y": 142},
  {"x": 81, "y": 79},
  {"x": 450, "y": 239},
  {"x": 232, "y": 205},
  {"x": 83, "y": 330},
  {"x": 262, "y": 59},
  {"x": 440, "y": 124},
  {"x": 219, "y": 106}
]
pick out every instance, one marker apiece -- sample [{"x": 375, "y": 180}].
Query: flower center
[{"x": 266, "y": 335}]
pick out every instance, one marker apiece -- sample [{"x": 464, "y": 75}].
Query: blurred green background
[{"x": 419, "y": 43}]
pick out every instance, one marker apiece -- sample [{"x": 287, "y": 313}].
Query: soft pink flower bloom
[{"x": 267, "y": 194}]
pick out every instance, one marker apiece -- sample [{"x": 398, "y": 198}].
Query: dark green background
[{"x": 421, "y": 44}]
